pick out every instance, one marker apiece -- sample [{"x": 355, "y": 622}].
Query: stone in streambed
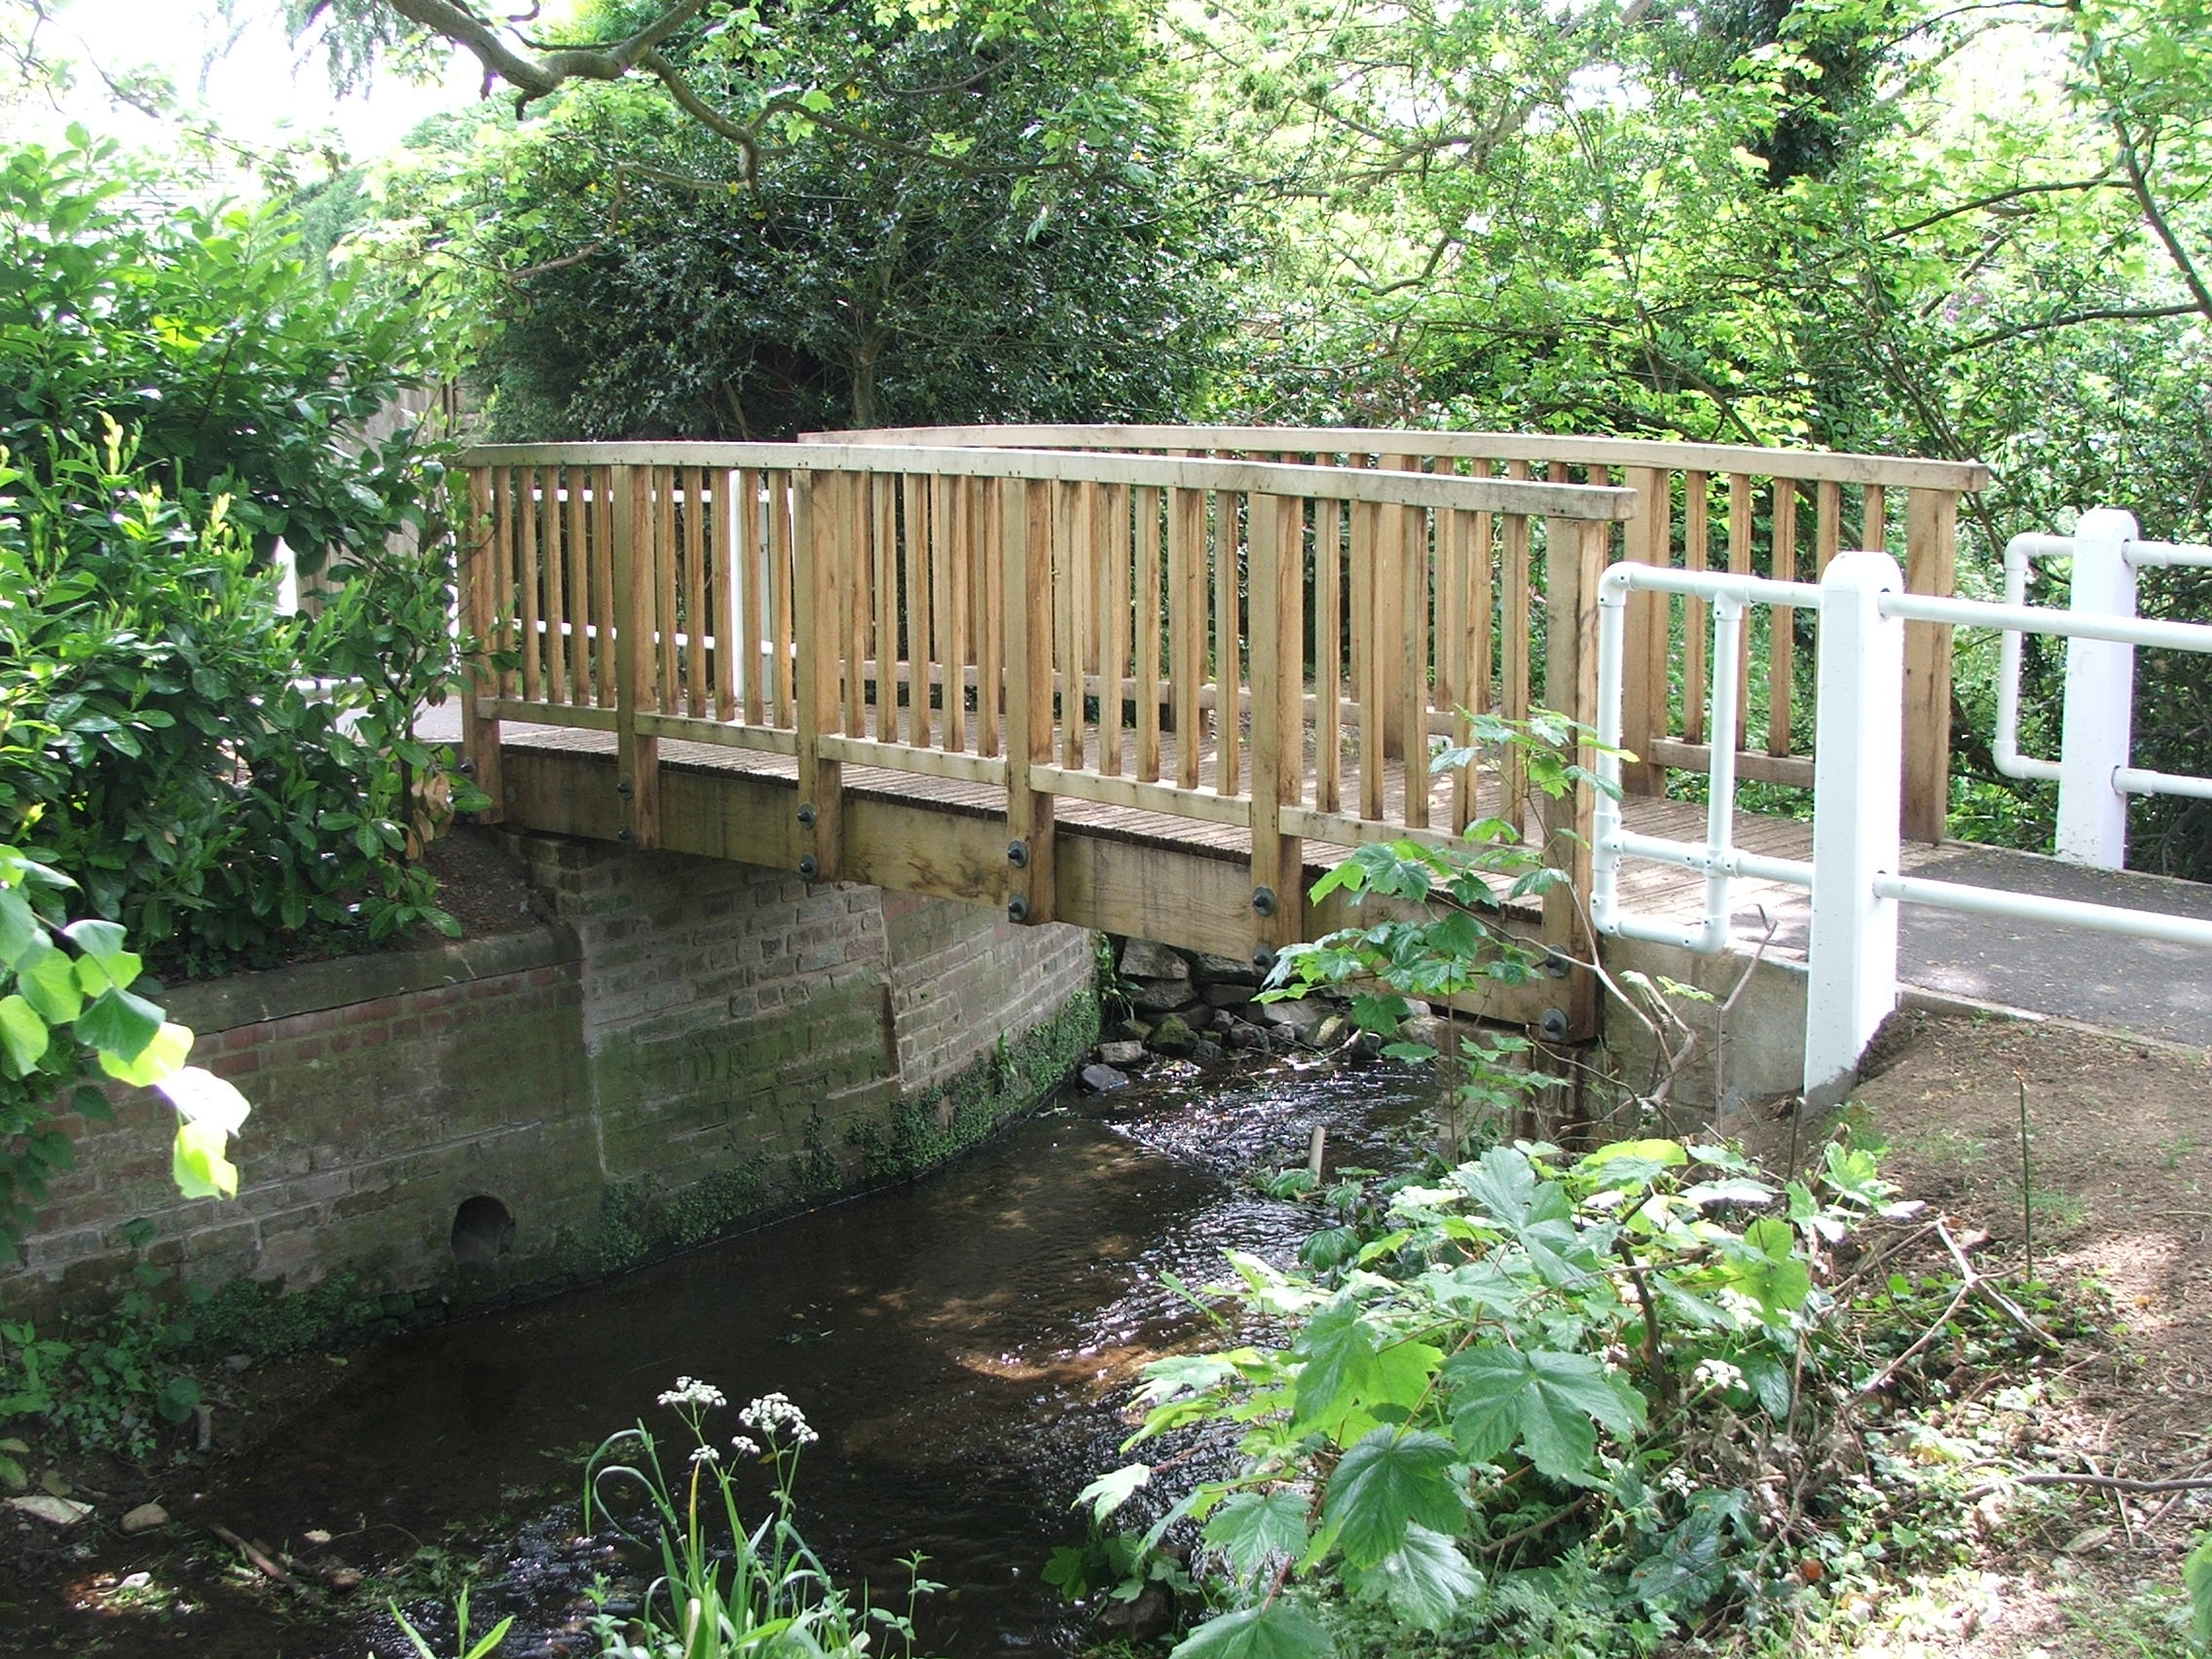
[
  {"x": 145, "y": 1519},
  {"x": 1123, "y": 1054},
  {"x": 1103, "y": 1079},
  {"x": 1158, "y": 996},
  {"x": 1207, "y": 1052},
  {"x": 1329, "y": 1033},
  {"x": 1130, "y": 1031},
  {"x": 1246, "y": 1037},
  {"x": 1142, "y": 959},
  {"x": 1302, "y": 1018},
  {"x": 1211, "y": 969},
  {"x": 1174, "y": 1036}
]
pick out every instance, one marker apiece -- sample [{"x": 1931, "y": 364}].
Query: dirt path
[{"x": 2118, "y": 1195}]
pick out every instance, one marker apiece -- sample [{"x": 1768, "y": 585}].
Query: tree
[{"x": 651, "y": 286}]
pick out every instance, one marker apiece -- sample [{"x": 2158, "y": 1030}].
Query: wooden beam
[
  {"x": 1931, "y": 538},
  {"x": 638, "y": 769},
  {"x": 1575, "y": 561},
  {"x": 1025, "y": 539}
]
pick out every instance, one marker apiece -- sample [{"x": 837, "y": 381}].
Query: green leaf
[
  {"x": 1426, "y": 1580},
  {"x": 23, "y": 1033},
  {"x": 1630, "y": 1165},
  {"x": 161, "y": 1060},
  {"x": 48, "y": 980},
  {"x": 1768, "y": 1269},
  {"x": 1341, "y": 1367},
  {"x": 1535, "y": 1211},
  {"x": 1108, "y": 1492},
  {"x": 1390, "y": 1479},
  {"x": 120, "y": 1024},
  {"x": 20, "y": 928},
  {"x": 200, "y": 1096},
  {"x": 199, "y": 1165},
  {"x": 1275, "y": 1631},
  {"x": 2196, "y": 1577},
  {"x": 1254, "y": 1528},
  {"x": 1544, "y": 1401}
]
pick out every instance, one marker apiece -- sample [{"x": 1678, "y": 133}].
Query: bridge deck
[{"x": 2155, "y": 989}]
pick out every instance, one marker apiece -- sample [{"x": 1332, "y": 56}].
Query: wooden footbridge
[{"x": 1146, "y": 680}]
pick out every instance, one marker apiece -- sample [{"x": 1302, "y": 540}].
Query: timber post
[
  {"x": 1574, "y": 559},
  {"x": 636, "y": 755},
  {"x": 479, "y": 609},
  {"x": 821, "y": 521},
  {"x": 1931, "y": 537},
  {"x": 1275, "y": 579},
  {"x": 1025, "y": 534}
]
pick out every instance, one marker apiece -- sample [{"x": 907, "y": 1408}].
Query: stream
[{"x": 963, "y": 1345}]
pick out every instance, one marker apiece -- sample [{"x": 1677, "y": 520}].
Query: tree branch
[
  {"x": 1998, "y": 199},
  {"x": 2139, "y": 182}
]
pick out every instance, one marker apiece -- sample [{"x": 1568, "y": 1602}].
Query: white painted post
[
  {"x": 1857, "y": 777},
  {"x": 2100, "y": 698}
]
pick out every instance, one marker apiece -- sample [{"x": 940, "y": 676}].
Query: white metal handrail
[
  {"x": 2093, "y": 776},
  {"x": 1855, "y": 875}
]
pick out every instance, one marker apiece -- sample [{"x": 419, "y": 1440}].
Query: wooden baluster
[
  {"x": 603, "y": 662},
  {"x": 1367, "y": 653},
  {"x": 783, "y": 574},
  {"x": 1413, "y": 654},
  {"x": 1187, "y": 626},
  {"x": 1695, "y": 536},
  {"x": 1930, "y": 539},
  {"x": 1743, "y": 534},
  {"x": 1513, "y": 653},
  {"x": 1328, "y": 654},
  {"x": 1874, "y": 519},
  {"x": 1574, "y": 559},
  {"x": 556, "y": 589},
  {"x": 1827, "y": 525},
  {"x": 1782, "y": 642},
  {"x": 914, "y": 514},
  {"x": 944, "y": 560},
  {"x": 530, "y": 576},
  {"x": 963, "y": 562},
  {"x": 1115, "y": 547},
  {"x": 479, "y": 733},
  {"x": 1648, "y": 540},
  {"x": 990, "y": 668},
  {"x": 721, "y": 575},
  {"x": 1456, "y": 636},
  {"x": 1228, "y": 640},
  {"x": 1145, "y": 544},
  {"x": 820, "y": 538},
  {"x": 1027, "y": 514},
  {"x": 752, "y": 554},
  {"x": 883, "y": 513},
  {"x": 694, "y": 592},
  {"x": 665, "y": 643},
  {"x": 1070, "y": 525},
  {"x": 856, "y": 596},
  {"x": 1273, "y": 579},
  {"x": 1394, "y": 548}
]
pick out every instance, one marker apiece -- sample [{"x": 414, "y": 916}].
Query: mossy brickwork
[{"x": 695, "y": 1046}]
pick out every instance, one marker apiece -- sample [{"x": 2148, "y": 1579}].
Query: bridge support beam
[{"x": 2100, "y": 698}]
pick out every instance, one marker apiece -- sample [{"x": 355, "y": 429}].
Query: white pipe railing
[
  {"x": 1855, "y": 875},
  {"x": 2093, "y": 776}
]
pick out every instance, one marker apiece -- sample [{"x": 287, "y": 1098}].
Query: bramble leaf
[
  {"x": 1390, "y": 1479},
  {"x": 1274, "y": 1631},
  {"x": 1254, "y": 1528}
]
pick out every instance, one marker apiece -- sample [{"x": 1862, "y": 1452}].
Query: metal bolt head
[
  {"x": 1263, "y": 901},
  {"x": 1264, "y": 959},
  {"x": 1554, "y": 1025},
  {"x": 1017, "y": 853},
  {"x": 1017, "y": 909},
  {"x": 807, "y": 816},
  {"x": 625, "y": 834},
  {"x": 622, "y": 786},
  {"x": 809, "y": 867}
]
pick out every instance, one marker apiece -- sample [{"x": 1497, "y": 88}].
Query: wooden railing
[
  {"x": 1781, "y": 514},
  {"x": 1272, "y": 648}
]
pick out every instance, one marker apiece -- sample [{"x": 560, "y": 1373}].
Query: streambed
[{"x": 961, "y": 1344}]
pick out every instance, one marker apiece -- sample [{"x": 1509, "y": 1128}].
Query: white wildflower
[
  {"x": 745, "y": 1446},
  {"x": 773, "y": 1415},
  {"x": 705, "y": 1454},
  {"x": 1716, "y": 1374},
  {"x": 690, "y": 1391}
]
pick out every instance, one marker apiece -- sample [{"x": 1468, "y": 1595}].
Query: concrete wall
[{"x": 695, "y": 1044}]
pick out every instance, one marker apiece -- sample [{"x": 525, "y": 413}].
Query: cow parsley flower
[
  {"x": 773, "y": 1415},
  {"x": 690, "y": 1391}
]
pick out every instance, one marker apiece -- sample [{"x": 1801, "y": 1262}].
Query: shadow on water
[{"x": 961, "y": 1344}]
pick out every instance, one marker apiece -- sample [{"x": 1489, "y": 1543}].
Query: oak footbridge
[{"x": 1150, "y": 681}]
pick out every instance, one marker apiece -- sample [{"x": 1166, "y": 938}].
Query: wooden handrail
[
  {"x": 1675, "y": 484},
  {"x": 1240, "y": 643}
]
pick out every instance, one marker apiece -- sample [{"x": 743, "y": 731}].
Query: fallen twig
[
  {"x": 253, "y": 1553},
  {"x": 1974, "y": 1285}
]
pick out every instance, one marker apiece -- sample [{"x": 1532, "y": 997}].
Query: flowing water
[{"x": 964, "y": 1346}]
